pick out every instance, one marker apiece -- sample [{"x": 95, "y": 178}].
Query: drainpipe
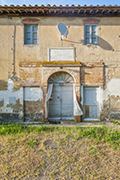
[
  {"x": 14, "y": 73},
  {"x": 8, "y": 47}
]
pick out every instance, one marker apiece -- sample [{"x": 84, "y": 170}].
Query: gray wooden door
[
  {"x": 61, "y": 103},
  {"x": 91, "y": 104}
]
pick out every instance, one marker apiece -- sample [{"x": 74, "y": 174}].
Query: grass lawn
[{"x": 43, "y": 153}]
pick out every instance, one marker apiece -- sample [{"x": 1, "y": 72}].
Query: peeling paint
[
  {"x": 5, "y": 95},
  {"x": 113, "y": 88},
  {"x": 33, "y": 94},
  {"x": 7, "y": 110},
  {"x": 100, "y": 98},
  {"x": 11, "y": 102}
]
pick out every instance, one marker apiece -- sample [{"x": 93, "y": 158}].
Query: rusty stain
[{"x": 87, "y": 111}]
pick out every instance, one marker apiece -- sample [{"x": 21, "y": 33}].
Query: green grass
[
  {"x": 116, "y": 122},
  {"x": 19, "y": 128},
  {"x": 101, "y": 133},
  {"x": 29, "y": 152}
]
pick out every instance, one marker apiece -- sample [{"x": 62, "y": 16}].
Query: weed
[
  {"x": 116, "y": 122},
  {"x": 33, "y": 143},
  {"x": 67, "y": 136}
]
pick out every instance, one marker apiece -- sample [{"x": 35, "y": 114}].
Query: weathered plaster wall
[
  {"x": 33, "y": 110},
  {"x": 30, "y": 76},
  {"x": 12, "y": 103},
  {"x": 107, "y": 51}
]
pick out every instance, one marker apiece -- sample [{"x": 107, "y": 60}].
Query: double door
[{"x": 60, "y": 105}]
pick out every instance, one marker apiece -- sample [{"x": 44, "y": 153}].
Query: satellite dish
[{"x": 62, "y": 28}]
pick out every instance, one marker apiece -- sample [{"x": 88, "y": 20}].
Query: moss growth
[
  {"x": 61, "y": 63},
  {"x": 40, "y": 63}
]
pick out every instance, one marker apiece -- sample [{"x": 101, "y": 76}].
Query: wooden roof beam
[
  {"x": 50, "y": 11},
  {"x": 67, "y": 11},
  {"x": 13, "y": 11},
  {"x": 79, "y": 11},
  {"x": 8, "y": 11},
  {"x": 110, "y": 11},
  {"x": 97, "y": 11},
  {"x": 25, "y": 10},
  {"x": 19, "y": 10},
  {"x": 73, "y": 11},
  {"x": 107, "y": 11},
  {"x": 115, "y": 10},
  {"x": 91, "y": 11},
  {"x": 103, "y": 10},
  {"x": 31, "y": 10},
  {"x": 37, "y": 10},
  {"x": 43, "y": 11}
]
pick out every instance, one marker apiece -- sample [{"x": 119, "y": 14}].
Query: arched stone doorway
[{"x": 61, "y": 105}]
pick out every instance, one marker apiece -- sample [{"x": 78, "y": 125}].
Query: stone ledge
[{"x": 60, "y": 63}]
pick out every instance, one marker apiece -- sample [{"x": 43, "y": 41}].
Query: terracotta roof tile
[{"x": 61, "y": 10}]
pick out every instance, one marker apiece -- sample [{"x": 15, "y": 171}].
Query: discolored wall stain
[{"x": 3, "y": 85}]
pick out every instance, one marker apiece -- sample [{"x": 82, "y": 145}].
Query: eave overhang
[{"x": 78, "y": 11}]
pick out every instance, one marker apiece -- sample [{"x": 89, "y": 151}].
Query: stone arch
[
  {"x": 59, "y": 71},
  {"x": 61, "y": 77}
]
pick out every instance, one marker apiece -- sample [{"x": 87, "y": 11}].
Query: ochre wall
[{"x": 107, "y": 51}]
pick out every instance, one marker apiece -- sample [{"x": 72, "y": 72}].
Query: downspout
[
  {"x": 8, "y": 47},
  {"x": 14, "y": 36}
]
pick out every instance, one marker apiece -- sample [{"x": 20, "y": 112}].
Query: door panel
[
  {"x": 91, "y": 105},
  {"x": 67, "y": 101},
  {"x": 55, "y": 103}
]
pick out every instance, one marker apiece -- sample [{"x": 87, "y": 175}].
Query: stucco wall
[
  {"x": 21, "y": 104},
  {"x": 12, "y": 30},
  {"x": 107, "y": 51}
]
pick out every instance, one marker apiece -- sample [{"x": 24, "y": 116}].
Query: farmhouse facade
[{"x": 47, "y": 76}]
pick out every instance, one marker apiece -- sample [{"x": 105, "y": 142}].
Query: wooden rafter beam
[
  {"x": 91, "y": 11},
  {"x": 13, "y": 11},
  {"x": 73, "y": 11},
  {"x": 103, "y": 11},
  {"x": 97, "y": 11},
  {"x": 31, "y": 10},
  {"x": 19, "y": 11},
  {"x": 37, "y": 10},
  {"x": 115, "y": 10}
]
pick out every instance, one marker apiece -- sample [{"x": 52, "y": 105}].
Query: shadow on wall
[
  {"x": 104, "y": 44},
  {"x": 101, "y": 42}
]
